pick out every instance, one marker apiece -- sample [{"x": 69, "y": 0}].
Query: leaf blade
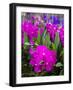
[
  {"x": 57, "y": 40},
  {"x": 59, "y": 64}
]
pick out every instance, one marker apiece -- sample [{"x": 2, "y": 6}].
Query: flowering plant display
[{"x": 42, "y": 40}]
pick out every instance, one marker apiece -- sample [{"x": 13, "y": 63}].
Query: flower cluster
[
  {"x": 42, "y": 58},
  {"x": 42, "y": 31},
  {"x": 61, "y": 34},
  {"x": 30, "y": 29},
  {"x": 52, "y": 29}
]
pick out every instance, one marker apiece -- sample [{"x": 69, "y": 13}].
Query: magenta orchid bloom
[
  {"x": 61, "y": 34},
  {"x": 52, "y": 29},
  {"x": 30, "y": 29},
  {"x": 42, "y": 58}
]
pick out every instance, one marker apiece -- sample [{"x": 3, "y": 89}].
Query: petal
[
  {"x": 49, "y": 67},
  {"x": 37, "y": 69}
]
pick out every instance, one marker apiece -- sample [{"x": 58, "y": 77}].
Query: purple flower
[
  {"x": 52, "y": 29},
  {"x": 30, "y": 29},
  {"x": 36, "y": 23},
  {"x": 61, "y": 34},
  {"x": 55, "y": 19},
  {"x": 42, "y": 58},
  {"x": 45, "y": 17},
  {"x": 41, "y": 30}
]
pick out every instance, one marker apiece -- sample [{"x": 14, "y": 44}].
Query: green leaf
[
  {"x": 43, "y": 37},
  {"x": 59, "y": 64},
  {"x": 44, "y": 33},
  {"x": 38, "y": 38},
  {"x": 62, "y": 52},
  {"x": 62, "y": 72},
  {"x": 25, "y": 38},
  {"x": 26, "y": 43},
  {"x": 53, "y": 46},
  {"x": 46, "y": 39},
  {"x": 36, "y": 44},
  {"x": 57, "y": 40}
]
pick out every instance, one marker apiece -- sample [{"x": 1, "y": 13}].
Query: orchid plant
[{"x": 42, "y": 45}]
